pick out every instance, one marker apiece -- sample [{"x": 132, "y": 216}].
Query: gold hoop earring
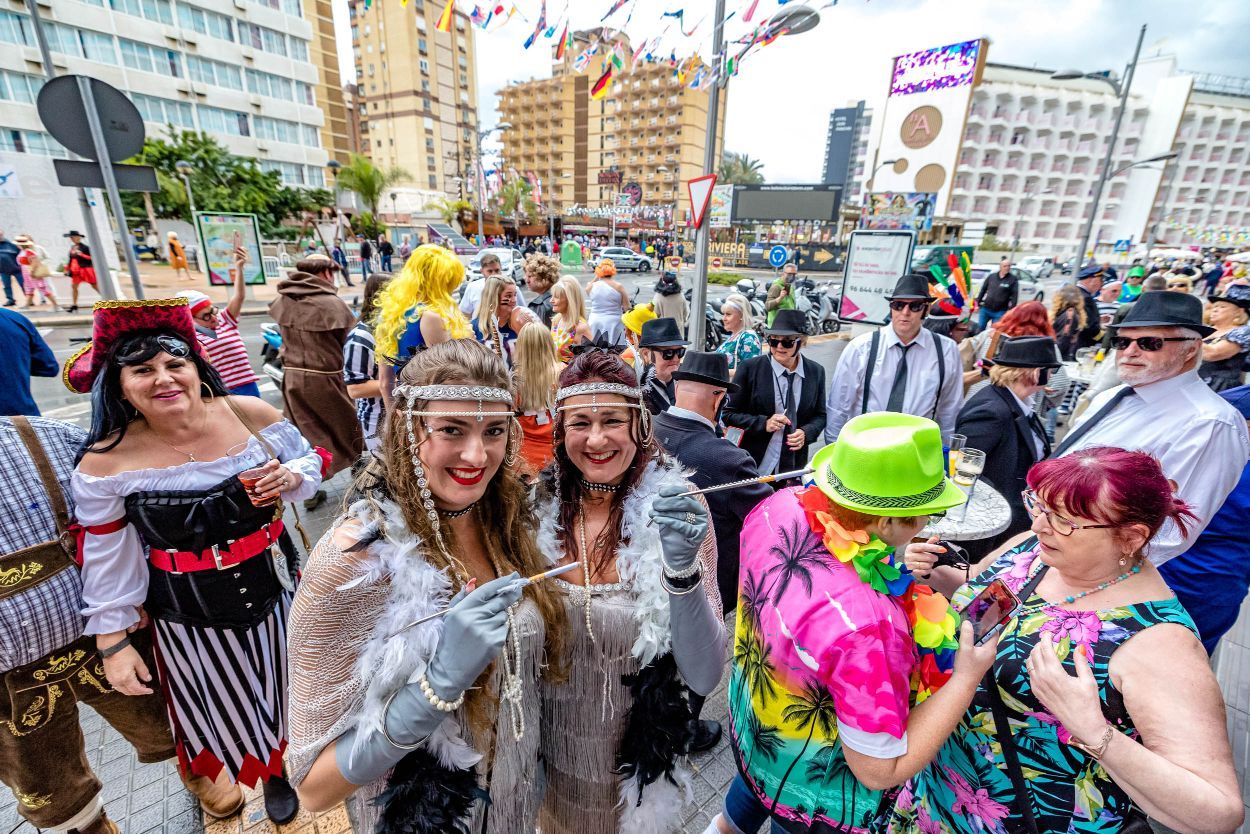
[{"x": 205, "y": 386}]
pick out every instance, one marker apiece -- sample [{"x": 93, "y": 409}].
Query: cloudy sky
[{"x": 779, "y": 102}]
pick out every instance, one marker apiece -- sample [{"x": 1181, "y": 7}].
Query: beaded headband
[
  {"x": 465, "y": 393},
  {"x": 595, "y": 388}
]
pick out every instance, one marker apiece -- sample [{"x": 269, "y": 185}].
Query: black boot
[
  {"x": 704, "y": 734},
  {"x": 281, "y": 803}
]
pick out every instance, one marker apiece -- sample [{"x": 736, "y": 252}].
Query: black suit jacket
[
  {"x": 715, "y": 460},
  {"x": 993, "y": 422},
  {"x": 754, "y": 402}
]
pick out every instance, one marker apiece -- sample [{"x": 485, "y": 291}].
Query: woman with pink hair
[{"x": 1100, "y": 691}]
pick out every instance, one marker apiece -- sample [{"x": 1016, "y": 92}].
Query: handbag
[{"x": 39, "y": 269}]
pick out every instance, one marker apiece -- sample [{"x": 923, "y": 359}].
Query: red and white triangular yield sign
[{"x": 700, "y": 190}]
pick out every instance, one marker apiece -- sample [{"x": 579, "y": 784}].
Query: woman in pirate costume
[
  {"x": 171, "y": 532},
  {"x": 416, "y": 719},
  {"x": 643, "y": 610}
]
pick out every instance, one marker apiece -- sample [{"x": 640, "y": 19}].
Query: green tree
[
  {"x": 516, "y": 200},
  {"x": 449, "y": 209},
  {"x": 368, "y": 181},
  {"x": 740, "y": 169},
  {"x": 811, "y": 708}
]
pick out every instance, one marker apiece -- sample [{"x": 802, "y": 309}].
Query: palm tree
[
  {"x": 827, "y": 765},
  {"x": 765, "y": 740},
  {"x": 740, "y": 169},
  {"x": 515, "y": 200},
  {"x": 367, "y": 180},
  {"x": 811, "y": 708},
  {"x": 798, "y": 552},
  {"x": 449, "y": 209},
  {"x": 751, "y": 603}
]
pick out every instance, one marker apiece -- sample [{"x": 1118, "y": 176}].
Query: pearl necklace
[
  {"x": 585, "y": 554},
  {"x": 510, "y": 693}
]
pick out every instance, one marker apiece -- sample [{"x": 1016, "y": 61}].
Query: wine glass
[
  {"x": 968, "y": 469},
  {"x": 954, "y": 452}
]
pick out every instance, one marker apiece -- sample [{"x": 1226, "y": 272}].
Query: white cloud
[{"x": 780, "y": 101}]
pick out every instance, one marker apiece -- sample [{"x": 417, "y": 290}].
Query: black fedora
[
  {"x": 72, "y": 233},
  {"x": 911, "y": 285},
  {"x": 1164, "y": 308},
  {"x": 708, "y": 368},
  {"x": 1028, "y": 352},
  {"x": 788, "y": 323},
  {"x": 661, "y": 333}
]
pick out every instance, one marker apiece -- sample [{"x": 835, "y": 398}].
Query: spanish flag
[
  {"x": 601, "y": 86},
  {"x": 565, "y": 43},
  {"x": 444, "y": 20}
]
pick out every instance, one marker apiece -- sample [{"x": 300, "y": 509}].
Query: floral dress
[
  {"x": 741, "y": 347},
  {"x": 966, "y": 788}
]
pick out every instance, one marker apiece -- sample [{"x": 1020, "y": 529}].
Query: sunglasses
[
  {"x": 139, "y": 350},
  {"x": 914, "y": 306},
  {"x": 784, "y": 344},
  {"x": 1148, "y": 343},
  {"x": 1178, "y": 286},
  {"x": 671, "y": 353}
]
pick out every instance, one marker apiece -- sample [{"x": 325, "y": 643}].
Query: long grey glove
[
  {"x": 682, "y": 523},
  {"x": 474, "y": 631}
]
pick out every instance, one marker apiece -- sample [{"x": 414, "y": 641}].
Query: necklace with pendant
[{"x": 191, "y": 454}]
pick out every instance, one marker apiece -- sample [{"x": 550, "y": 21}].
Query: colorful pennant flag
[
  {"x": 601, "y": 86},
  {"x": 750, "y": 11},
  {"x": 444, "y": 20},
  {"x": 476, "y": 18},
  {"x": 581, "y": 62},
  {"x": 615, "y": 8},
  {"x": 542, "y": 24},
  {"x": 565, "y": 43}
]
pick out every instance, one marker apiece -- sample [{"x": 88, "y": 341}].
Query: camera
[{"x": 952, "y": 556}]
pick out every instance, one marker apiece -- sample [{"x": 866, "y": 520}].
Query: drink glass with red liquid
[{"x": 249, "y": 479}]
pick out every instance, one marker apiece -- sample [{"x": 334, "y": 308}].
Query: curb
[{"x": 81, "y": 320}]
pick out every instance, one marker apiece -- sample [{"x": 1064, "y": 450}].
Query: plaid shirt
[{"x": 46, "y": 617}]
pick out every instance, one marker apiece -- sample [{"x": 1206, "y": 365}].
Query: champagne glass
[{"x": 968, "y": 469}]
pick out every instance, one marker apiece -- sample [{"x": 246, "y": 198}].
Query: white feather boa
[
  {"x": 639, "y": 562},
  {"x": 387, "y": 663}
]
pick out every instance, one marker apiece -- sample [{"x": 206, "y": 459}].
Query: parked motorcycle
[
  {"x": 271, "y": 352},
  {"x": 820, "y": 306},
  {"x": 752, "y": 292}
]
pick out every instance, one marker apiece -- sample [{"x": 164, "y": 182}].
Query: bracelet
[
  {"x": 115, "y": 648},
  {"x": 386, "y": 708},
  {"x": 437, "y": 702},
  {"x": 1095, "y": 751},
  {"x": 678, "y": 592},
  {"x": 684, "y": 573}
]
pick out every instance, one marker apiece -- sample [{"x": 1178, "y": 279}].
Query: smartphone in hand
[{"x": 990, "y": 610}]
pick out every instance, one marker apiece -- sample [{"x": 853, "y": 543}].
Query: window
[
  {"x": 291, "y": 7},
  {"x": 19, "y": 87},
  {"x": 259, "y": 37},
  {"x": 433, "y": 182},
  {"x": 29, "y": 141},
  {"x": 315, "y": 177},
  {"x": 163, "y": 111},
  {"x": 205, "y": 22},
  {"x": 267, "y": 84},
  {"x": 140, "y": 56},
  {"x": 290, "y": 173},
  {"x": 216, "y": 120},
  {"x": 157, "y": 10},
  {"x": 14, "y": 28},
  {"x": 214, "y": 72},
  {"x": 425, "y": 66},
  {"x": 429, "y": 162},
  {"x": 421, "y": 45},
  {"x": 299, "y": 49}
]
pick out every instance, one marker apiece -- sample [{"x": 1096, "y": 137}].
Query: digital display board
[
  {"x": 939, "y": 68},
  {"x": 787, "y": 202}
]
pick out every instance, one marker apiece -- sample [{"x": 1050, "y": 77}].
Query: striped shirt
[
  {"x": 227, "y": 351},
  {"x": 360, "y": 364}
]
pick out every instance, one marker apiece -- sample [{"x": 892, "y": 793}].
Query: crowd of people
[{"x": 536, "y": 578}]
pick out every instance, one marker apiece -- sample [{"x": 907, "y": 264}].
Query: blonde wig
[
  {"x": 739, "y": 302},
  {"x": 427, "y": 281},
  {"x": 575, "y": 303},
  {"x": 537, "y": 368}
]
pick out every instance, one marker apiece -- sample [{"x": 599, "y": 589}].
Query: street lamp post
[
  {"x": 791, "y": 20},
  {"x": 394, "y": 211},
  {"x": 184, "y": 169},
  {"x": 481, "y": 136},
  {"x": 334, "y": 165},
  {"x": 1121, "y": 89}
]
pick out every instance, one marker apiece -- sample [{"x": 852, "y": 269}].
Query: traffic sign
[
  {"x": 63, "y": 112},
  {"x": 674, "y": 262},
  {"x": 716, "y": 262},
  {"x": 778, "y": 255},
  {"x": 1123, "y": 244},
  {"x": 79, "y": 173},
  {"x": 700, "y": 191}
]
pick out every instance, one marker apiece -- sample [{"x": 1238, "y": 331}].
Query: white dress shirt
[
  {"x": 846, "y": 394},
  {"x": 772, "y": 455},
  {"x": 687, "y": 414},
  {"x": 1200, "y": 440},
  {"x": 1027, "y": 408}
]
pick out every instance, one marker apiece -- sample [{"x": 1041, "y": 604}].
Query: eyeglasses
[
  {"x": 784, "y": 344},
  {"x": 671, "y": 353},
  {"x": 207, "y": 312},
  {"x": 1148, "y": 343},
  {"x": 914, "y": 306},
  {"x": 1058, "y": 523}
]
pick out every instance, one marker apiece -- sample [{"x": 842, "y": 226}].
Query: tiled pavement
[{"x": 147, "y": 799}]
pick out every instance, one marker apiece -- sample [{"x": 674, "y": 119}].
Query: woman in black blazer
[{"x": 1000, "y": 421}]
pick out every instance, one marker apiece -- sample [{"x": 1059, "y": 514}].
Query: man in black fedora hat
[
  {"x": 901, "y": 367},
  {"x": 80, "y": 267},
  {"x": 1164, "y": 408},
  {"x": 662, "y": 347},
  {"x": 688, "y": 432},
  {"x": 780, "y": 406}
]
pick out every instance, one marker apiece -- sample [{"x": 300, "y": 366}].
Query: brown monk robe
[{"x": 315, "y": 323}]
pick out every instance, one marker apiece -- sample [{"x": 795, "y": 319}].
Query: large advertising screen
[
  {"x": 912, "y": 210},
  {"x": 787, "y": 202},
  {"x": 938, "y": 68}
]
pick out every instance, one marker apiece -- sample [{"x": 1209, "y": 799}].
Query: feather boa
[
  {"x": 387, "y": 663},
  {"x": 648, "y": 803}
]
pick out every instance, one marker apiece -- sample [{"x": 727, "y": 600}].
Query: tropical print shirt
[
  {"x": 819, "y": 658},
  {"x": 745, "y": 345},
  {"x": 966, "y": 790}
]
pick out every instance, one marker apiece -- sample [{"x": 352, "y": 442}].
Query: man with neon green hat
[
  {"x": 1132, "y": 285},
  {"x": 846, "y": 677}
]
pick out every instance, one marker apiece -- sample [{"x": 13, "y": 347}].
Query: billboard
[
  {"x": 938, "y": 68},
  {"x": 787, "y": 202},
  {"x": 720, "y": 209},
  {"x": 842, "y": 124},
  {"x": 219, "y": 234},
  {"x": 912, "y": 210},
  {"x": 874, "y": 262}
]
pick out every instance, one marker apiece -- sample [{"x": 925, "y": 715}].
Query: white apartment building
[
  {"x": 239, "y": 70},
  {"x": 1033, "y": 148}
]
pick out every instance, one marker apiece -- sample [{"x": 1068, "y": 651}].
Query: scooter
[
  {"x": 823, "y": 317},
  {"x": 271, "y": 352},
  {"x": 751, "y": 291}
]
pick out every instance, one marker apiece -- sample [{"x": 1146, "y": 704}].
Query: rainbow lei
[{"x": 932, "y": 619}]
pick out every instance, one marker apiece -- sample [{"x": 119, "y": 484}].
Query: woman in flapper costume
[
  {"x": 643, "y": 610},
  {"x": 410, "y": 722}
]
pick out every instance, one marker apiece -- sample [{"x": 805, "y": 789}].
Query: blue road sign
[
  {"x": 778, "y": 255},
  {"x": 1123, "y": 244}
]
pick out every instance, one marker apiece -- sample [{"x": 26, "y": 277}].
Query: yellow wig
[{"x": 426, "y": 283}]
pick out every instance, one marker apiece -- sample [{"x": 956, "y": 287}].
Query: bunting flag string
[
  {"x": 565, "y": 42},
  {"x": 444, "y": 20},
  {"x": 616, "y": 7},
  {"x": 542, "y": 24}
]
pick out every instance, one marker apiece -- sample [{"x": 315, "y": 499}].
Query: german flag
[
  {"x": 565, "y": 43},
  {"x": 601, "y": 86},
  {"x": 444, "y": 20}
]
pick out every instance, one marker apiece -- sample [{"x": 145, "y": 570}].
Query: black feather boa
[
  {"x": 423, "y": 797},
  {"x": 657, "y": 725}
]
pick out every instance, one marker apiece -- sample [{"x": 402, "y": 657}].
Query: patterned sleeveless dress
[{"x": 966, "y": 789}]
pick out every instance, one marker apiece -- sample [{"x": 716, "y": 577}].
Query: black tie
[
  {"x": 787, "y": 401},
  {"x": 899, "y": 390},
  {"x": 1085, "y": 427},
  {"x": 1035, "y": 423}
]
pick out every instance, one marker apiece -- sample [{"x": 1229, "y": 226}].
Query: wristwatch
[{"x": 1094, "y": 751}]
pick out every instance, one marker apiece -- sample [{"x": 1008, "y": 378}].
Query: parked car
[
  {"x": 1040, "y": 265},
  {"x": 623, "y": 257},
  {"x": 925, "y": 257},
  {"x": 510, "y": 261},
  {"x": 1030, "y": 285}
]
